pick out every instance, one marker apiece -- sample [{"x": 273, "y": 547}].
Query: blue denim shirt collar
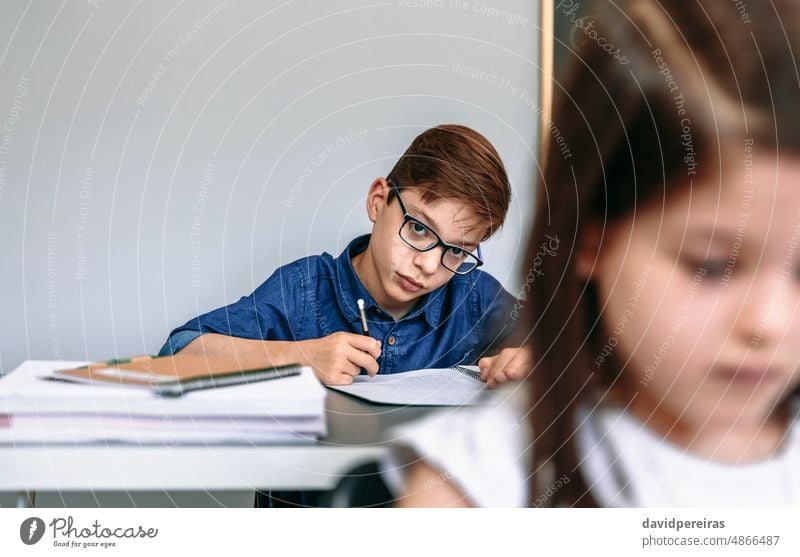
[{"x": 350, "y": 288}]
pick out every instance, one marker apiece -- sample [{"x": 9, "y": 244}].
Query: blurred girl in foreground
[{"x": 665, "y": 328}]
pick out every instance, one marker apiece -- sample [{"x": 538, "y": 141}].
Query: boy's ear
[
  {"x": 377, "y": 197},
  {"x": 588, "y": 251}
]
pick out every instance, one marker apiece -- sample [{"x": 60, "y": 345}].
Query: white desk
[{"x": 355, "y": 429}]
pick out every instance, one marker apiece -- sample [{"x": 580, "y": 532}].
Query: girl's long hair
[{"x": 653, "y": 100}]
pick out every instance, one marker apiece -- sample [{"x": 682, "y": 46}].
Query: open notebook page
[{"x": 454, "y": 386}]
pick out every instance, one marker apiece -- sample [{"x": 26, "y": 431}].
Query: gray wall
[{"x": 160, "y": 159}]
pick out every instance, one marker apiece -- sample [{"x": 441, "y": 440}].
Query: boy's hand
[
  {"x": 339, "y": 357},
  {"x": 511, "y": 364}
]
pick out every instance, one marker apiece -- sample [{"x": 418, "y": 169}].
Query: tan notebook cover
[{"x": 164, "y": 373}]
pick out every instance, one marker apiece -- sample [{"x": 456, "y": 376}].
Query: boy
[{"x": 426, "y": 302}]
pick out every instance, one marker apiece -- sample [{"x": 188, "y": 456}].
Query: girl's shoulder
[
  {"x": 629, "y": 465},
  {"x": 484, "y": 450}
]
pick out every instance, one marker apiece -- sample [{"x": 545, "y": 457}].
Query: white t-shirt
[{"x": 485, "y": 452}]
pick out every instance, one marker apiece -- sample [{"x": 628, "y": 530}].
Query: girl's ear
[
  {"x": 588, "y": 254},
  {"x": 377, "y": 196}
]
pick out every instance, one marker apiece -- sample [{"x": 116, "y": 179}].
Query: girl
[{"x": 666, "y": 325}]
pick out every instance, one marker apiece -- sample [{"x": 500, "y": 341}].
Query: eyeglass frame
[{"x": 407, "y": 217}]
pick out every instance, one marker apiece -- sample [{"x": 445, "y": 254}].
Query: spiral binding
[{"x": 466, "y": 371}]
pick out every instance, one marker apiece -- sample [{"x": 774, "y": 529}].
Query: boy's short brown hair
[{"x": 455, "y": 162}]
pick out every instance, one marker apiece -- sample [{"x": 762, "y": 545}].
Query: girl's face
[{"x": 700, "y": 297}]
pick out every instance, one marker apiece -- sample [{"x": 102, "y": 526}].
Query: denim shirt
[{"x": 316, "y": 296}]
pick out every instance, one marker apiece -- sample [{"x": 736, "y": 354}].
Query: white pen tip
[{"x": 360, "y": 303}]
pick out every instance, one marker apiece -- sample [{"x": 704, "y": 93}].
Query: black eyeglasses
[{"x": 420, "y": 237}]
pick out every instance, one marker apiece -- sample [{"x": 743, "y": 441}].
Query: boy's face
[
  {"x": 701, "y": 295},
  {"x": 395, "y": 273}
]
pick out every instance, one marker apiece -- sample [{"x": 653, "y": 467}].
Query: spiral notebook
[
  {"x": 172, "y": 375},
  {"x": 453, "y": 386}
]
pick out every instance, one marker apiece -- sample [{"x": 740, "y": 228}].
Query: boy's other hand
[
  {"x": 510, "y": 364},
  {"x": 339, "y": 357}
]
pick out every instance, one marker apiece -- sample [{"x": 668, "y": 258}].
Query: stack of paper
[{"x": 36, "y": 409}]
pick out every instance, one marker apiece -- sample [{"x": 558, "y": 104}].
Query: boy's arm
[
  {"x": 274, "y": 311},
  {"x": 248, "y": 353},
  {"x": 260, "y": 330},
  {"x": 335, "y": 359},
  {"x": 508, "y": 357}
]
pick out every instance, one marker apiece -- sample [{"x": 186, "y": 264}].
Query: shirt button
[{"x": 391, "y": 341}]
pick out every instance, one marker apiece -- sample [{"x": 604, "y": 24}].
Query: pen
[{"x": 364, "y": 326}]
